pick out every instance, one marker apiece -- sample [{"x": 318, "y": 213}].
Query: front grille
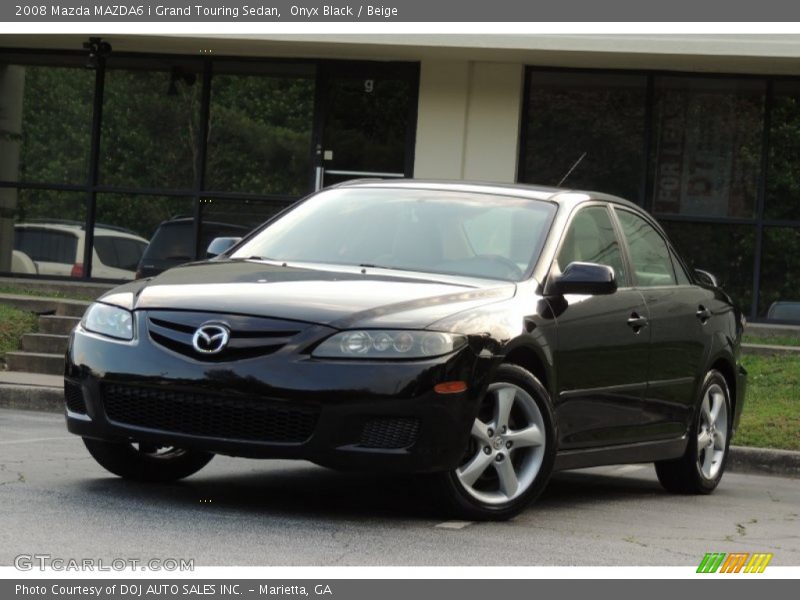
[
  {"x": 209, "y": 415},
  {"x": 73, "y": 398},
  {"x": 390, "y": 433},
  {"x": 249, "y": 336}
]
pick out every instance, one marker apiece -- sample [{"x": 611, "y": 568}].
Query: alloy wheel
[
  {"x": 507, "y": 446},
  {"x": 712, "y": 433}
]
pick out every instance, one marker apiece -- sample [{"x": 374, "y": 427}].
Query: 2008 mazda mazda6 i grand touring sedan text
[{"x": 483, "y": 335}]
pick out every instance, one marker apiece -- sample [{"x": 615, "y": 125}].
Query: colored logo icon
[{"x": 735, "y": 562}]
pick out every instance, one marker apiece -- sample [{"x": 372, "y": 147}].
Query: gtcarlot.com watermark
[{"x": 43, "y": 562}]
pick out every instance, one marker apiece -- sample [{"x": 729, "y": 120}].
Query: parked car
[
  {"x": 486, "y": 335},
  {"x": 56, "y": 248},
  {"x": 172, "y": 243}
]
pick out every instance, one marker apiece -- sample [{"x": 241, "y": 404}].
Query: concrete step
[
  {"x": 35, "y": 362},
  {"x": 45, "y": 306},
  {"x": 46, "y": 287},
  {"x": 57, "y": 324},
  {"x": 44, "y": 342},
  {"x": 770, "y": 350}
]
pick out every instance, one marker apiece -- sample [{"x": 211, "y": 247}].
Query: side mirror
[
  {"x": 221, "y": 245},
  {"x": 706, "y": 278},
  {"x": 585, "y": 278}
]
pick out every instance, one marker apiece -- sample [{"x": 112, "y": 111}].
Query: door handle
[
  {"x": 636, "y": 322},
  {"x": 703, "y": 314}
]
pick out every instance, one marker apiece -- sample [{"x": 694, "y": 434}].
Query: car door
[
  {"x": 602, "y": 342},
  {"x": 679, "y": 312}
]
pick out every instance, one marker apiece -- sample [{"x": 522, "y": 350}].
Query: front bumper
[{"x": 363, "y": 415}]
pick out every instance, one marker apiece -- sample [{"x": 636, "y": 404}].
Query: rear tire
[
  {"x": 700, "y": 469},
  {"x": 510, "y": 454},
  {"x": 142, "y": 462}
]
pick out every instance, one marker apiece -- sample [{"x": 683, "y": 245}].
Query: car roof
[
  {"x": 562, "y": 196},
  {"x": 77, "y": 229}
]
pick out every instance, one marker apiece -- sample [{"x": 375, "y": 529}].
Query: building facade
[{"x": 97, "y": 151}]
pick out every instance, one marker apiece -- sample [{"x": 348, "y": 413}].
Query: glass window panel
[
  {"x": 779, "y": 296},
  {"x": 260, "y": 131},
  {"x": 727, "y": 251},
  {"x": 648, "y": 251},
  {"x": 367, "y": 122},
  {"x": 151, "y": 124},
  {"x": 591, "y": 238},
  {"x": 42, "y": 232},
  {"x": 707, "y": 135},
  {"x": 45, "y": 123},
  {"x": 601, "y": 115},
  {"x": 782, "y": 198},
  {"x": 125, "y": 225}
]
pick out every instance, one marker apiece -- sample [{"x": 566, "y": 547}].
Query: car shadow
[{"x": 307, "y": 490}]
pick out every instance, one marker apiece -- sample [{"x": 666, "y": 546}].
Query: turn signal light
[{"x": 450, "y": 387}]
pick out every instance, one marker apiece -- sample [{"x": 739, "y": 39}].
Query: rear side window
[
  {"x": 44, "y": 245},
  {"x": 118, "y": 252},
  {"x": 650, "y": 256},
  {"x": 591, "y": 238},
  {"x": 172, "y": 241}
]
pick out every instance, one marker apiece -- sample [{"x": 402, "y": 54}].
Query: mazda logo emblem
[{"x": 210, "y": 339}]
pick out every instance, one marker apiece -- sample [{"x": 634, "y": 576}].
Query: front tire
[
  {"x": 511, "y": 451},
  {"x": 146, "y": 462},
  {"x": 700, "y": 469}
]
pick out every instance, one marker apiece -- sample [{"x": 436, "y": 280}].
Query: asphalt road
[{"x": 54, "y": 499}]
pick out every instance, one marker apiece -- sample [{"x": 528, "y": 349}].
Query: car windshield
[{"x": 448, "y": 232}]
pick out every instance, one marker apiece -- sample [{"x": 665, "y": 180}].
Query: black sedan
[{"x": 483, "y": 335}]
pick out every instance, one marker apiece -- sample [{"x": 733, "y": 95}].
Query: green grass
[
  {"x": 13, "y": 323},
  {"x": 21, "y": 291},
  {"x": 771, "y": 417},
  {"x": 782, "y": 340}
]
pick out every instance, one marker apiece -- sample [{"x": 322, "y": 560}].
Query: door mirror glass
[
  {"x": 220, "y": 245},
  {"x": 706, "y": 278},
  {"x": 585, "y": 278}
]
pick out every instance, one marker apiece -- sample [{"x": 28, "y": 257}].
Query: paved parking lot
[{"x": 54, "y": 499}]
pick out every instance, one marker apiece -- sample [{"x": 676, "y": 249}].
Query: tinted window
[
  {"x": 680, "y": 273},
  {"x": 172, "y": 241},
  {"x": 595, "y": 115},
  {"x": 649, "y": 254},
  {"x": 118, "y": 252},
  {"x": 47, "y": 246},
  {"x": 591, "y": 238}
]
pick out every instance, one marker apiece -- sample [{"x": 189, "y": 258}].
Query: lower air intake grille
[
  {"x": 73, "y": 397},
  {"x": 208, "y": 415},
  {"x": 389, "y": 433}
]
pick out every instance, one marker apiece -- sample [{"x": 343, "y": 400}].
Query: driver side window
[{"x": 591, "y": 238}]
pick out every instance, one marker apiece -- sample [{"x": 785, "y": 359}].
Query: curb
[
  {"x": 741, "y": 459},
  {"x": 764, "y": 461},
  {"x": 31, "y": 397}
]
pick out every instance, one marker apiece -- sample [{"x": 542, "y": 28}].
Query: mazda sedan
[{"x": 481, "y": 335}]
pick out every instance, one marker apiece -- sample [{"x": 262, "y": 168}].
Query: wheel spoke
[
  {"x": 479, "y": 432},
  {"x": 703, "y": 439},
  {"x": 470, "y": 472},
  {"x": 706, "y": 409},
  {"x": 716, "y": 404},
  {"x": 719, "y": 440},
  {"x": 530, "y": 436},
  {"x": 502, "y": 408},
  {"x": 508, "y": 477},
  {"x": 708, "y": 460}
]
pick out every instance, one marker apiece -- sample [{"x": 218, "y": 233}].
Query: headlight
[
  {"x": 389, "y": 344},
  {"x": 109, "y": 320}
]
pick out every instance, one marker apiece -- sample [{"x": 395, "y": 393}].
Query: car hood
[{"x": 340, "y": 297}]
